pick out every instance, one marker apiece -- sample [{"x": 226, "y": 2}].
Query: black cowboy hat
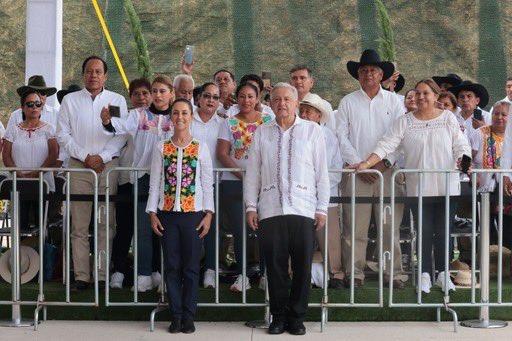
[
  {"x": 64, "y": 92},
  {"x": 370, "y": 57},
  {"x": 38, "y": 84},
  {"x": 451, "y": 78},
  {"x": 399, "y": 84},
  {"x": 479, "y": 90}
]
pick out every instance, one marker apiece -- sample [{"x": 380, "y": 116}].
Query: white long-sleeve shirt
[
  {"x": 207, "y": 132},
  {"x": 362, "y": 121},
  {"x": 287, "y": 171},
  {"x": 427, "y": 144},
  {"x": 181, "y": 179},
  {"x": 80, "y": 130},
  {"x": 334, "y": 161},
  {"x": 146, "y": 129},
  {"x": 506, "y": 152}
]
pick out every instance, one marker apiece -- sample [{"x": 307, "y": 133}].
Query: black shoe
[
  {"x": 276, "y": 327},
  {"x": 187, "y": 326},
  {"x": 336, "y": 283},
  {"x": 358, "y": 283},
  {"x": 296, "y": 328},
  {"x": 80, "y": 285},
  {"x": 175, "y": 326}
]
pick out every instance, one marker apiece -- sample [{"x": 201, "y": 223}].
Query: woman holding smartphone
[
  {"x": 180, "y": 206},
  {"x": 430, "y": 139},
  {"x": 147, "y": 126}
]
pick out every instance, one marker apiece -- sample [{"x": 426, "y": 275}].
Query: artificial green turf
[{"x": 55, "y": 291}]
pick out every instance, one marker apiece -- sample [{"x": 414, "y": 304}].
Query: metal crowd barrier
[
  {"x": 484, "y": 302},
  {"x": 324, "y": 305},
  {"x": 42, "y": 303}
]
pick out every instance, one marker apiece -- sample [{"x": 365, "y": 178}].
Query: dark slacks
[
  {"x": 182, "y": 254},
  {"x": 124, "y": 229},
  {"x": 434, "y": 234},
  {"x": 284, "y": 237}
]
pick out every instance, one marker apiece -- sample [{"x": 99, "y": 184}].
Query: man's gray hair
[
  {"x": 181, "y": 77},
  {"x": 505, "y": 103},
  {"x": 284, "y": 85}
]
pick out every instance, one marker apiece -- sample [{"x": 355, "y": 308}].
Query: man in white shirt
[
  {"x": 286, "y": 193},
  {"x": 184, "y": 86},
  {"x": 471, "y": 97},
  {"x": 364, "y": 116},
  {"x": 302, "y": 79},
  {"x": 80, "y": 133},
  {"x": 508, "y": 91},
  {"x": 225, "y": 80}
]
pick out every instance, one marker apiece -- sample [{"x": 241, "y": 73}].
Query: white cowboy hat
[
  {"x": 29, "y": 264},
  {"x": 315, "y": 101}
]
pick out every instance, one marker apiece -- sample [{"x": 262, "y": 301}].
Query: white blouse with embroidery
[
  {"x": 30, "y": 147},
  {"x": 287, "y": 171},
  {"x": 427, "y": 144},
  {"x": 181, "y": 179},
  {"x": 147, "y": 129}
]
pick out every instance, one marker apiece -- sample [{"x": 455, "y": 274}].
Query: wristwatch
[{"x": 387, "y": 163}]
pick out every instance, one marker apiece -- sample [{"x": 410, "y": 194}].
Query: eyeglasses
[
  {"x": 34, "y": 104},
  {"x": 209, "y": 96}
]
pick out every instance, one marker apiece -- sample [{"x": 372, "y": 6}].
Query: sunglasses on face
[
  {"x": 209, "y": 96},
  {"x": 36, "y": 104}
]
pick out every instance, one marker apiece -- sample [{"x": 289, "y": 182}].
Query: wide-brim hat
[
  {"x": 29, "y": 264},
  {"x": 64, "y": 92},
  {"x": 38, "y": 84},
  {"x": 479, "y": 90},
  {"x": 315, "y": 101},
  {"x": 370, "y": 57},
  {"x": 451, "y": 78}
]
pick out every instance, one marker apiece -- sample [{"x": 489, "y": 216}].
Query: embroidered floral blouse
[
  {"x": 181, "y": 179},
  {"x": 488, "y": 156},
  {"x": 146, "y": 128},
  {"x": 239, "y": 134}
]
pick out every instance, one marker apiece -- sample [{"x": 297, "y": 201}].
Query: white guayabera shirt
[{"x": 287, "y": 171}]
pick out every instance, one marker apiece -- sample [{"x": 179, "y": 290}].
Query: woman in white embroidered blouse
[
  {"x": 180, "y": 206},
  {"x": 147, "y": 126},
  {"x": 430, "y": 139},
  {"x": 31, "y": 144},
  {"x": 235, "y": 138}
]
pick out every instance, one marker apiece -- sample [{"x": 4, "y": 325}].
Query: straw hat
[
  {"x": 463, "y": 279},
  {"x": 29, "y": 264},
  {"x": 315, "y": 101}
]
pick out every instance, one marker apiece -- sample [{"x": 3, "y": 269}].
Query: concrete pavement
[{"x": 227, "y": 331}]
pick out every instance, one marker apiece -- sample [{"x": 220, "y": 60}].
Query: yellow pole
[{"x": 110, "y": 42}]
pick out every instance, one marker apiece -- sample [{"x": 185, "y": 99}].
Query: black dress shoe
[
  {"x": 187, "y": 326},
  {"x": 175, "y": 326},
  {"x": 276, "y": 327},
  {"x": 336, "y": 283},
  {"x": 357, "y": 283},
  {"x": 296, "y": 328},
  {"x": 80, "y": 285}
]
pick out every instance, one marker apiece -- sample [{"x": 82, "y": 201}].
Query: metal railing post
[{"x": 484, "y": 321}]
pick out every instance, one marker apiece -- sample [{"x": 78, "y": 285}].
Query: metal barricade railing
[
  {"x": 324, "y": 304},
  {"x": 484, "y": 303},
  {"x": 41, "y": 303}
]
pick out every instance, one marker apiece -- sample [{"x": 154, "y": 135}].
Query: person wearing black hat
[
  {"x": 48, "y": 114},
  {"x": 471, "y": 97},
  {"x": 363, "y": 117},
  {"x": 72, "y": 88},
  {"x": 446, "y": 82}
]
